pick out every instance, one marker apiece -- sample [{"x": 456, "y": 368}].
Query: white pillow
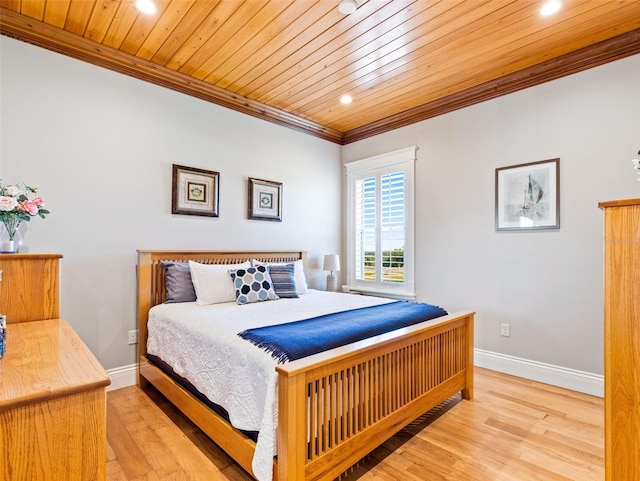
[
  {"x": 298, "y": 273},
  {"x": 213, "y": 283}
]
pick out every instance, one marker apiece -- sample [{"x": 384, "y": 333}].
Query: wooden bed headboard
[{"x": 151, "y": 286}]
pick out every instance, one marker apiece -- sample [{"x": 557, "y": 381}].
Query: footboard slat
[{"x": 363, "y": 397}]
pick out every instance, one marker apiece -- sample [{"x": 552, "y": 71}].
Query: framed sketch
[
  {"x": 265, "y": 200},
  {"x": 195, "y": 191},
  {"x": 528, "y": 196}
]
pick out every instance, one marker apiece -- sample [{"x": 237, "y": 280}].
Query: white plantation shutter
[
  {"x": 380, "y": 224},
  {"x": 365, "y": 220},
  {"x": 392, "y": 220}
]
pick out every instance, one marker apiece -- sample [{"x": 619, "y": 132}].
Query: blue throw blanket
[{"x": 294, "y": 340}]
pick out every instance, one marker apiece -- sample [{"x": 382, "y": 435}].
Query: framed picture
[
  {"x": 528, "y": 196},
  {"x": 195, "y": 191},
  {"x": 265, "y": 200}
]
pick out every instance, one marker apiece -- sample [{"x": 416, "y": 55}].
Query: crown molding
[
  {"x": 58, "y": 40},
  {"x": 594, "y": 55}
]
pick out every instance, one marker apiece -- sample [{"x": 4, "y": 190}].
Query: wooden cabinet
[
  {"x": 29, "y": 287},
  {"x": 52, "y": 406},
  {"x": 622, "y": 339}
]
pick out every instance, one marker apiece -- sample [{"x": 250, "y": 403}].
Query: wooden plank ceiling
[{"x": 290, "y": 61}]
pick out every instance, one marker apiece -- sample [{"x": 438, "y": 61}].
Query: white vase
[{"x": 8, "y": 246}]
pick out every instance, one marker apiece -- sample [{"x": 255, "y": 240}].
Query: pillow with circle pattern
[{"x": 253, "y": 284}]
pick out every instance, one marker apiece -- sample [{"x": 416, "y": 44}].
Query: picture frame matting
[
  {"x": 195, "y": 191},
  {"x": 527, "y": 196},
  {"x": 265, "y": 200}
]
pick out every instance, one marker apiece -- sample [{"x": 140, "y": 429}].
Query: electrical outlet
[
  {"x": 133, "y": 337},
  {"x": 505, "y": 330}
]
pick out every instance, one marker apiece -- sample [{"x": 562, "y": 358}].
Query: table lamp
[{"x": 332, "y": 263}]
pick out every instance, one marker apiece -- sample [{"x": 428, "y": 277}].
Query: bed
[{"x": 334, "y": 407}]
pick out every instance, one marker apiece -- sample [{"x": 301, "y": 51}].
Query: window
[{"x": 380, "y": 224}]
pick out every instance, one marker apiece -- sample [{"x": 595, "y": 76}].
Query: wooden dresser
[
  {"x": 29, "y": 289},
  {"x": 52, "y": 388},
  {"x": 622, "y": 339}
]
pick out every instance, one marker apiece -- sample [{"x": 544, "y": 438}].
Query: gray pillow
[{"x": 179, "y": 287}]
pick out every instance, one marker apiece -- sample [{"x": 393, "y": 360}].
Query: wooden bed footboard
[{"x": 333, "y": 407}]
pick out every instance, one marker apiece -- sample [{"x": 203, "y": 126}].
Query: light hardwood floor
[{"x": 513, "y": 430}]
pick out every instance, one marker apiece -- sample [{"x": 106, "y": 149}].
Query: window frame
[{"x": 399, "y": 160}]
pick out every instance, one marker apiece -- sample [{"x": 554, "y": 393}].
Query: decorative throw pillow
[
  {"x": 177, "y": 279},
  {"x": 300, "y": 278},
  {"x": 212, "y": 282},
  {"x": 252, "y": 284},
  {"x": 283, "y": 279}
]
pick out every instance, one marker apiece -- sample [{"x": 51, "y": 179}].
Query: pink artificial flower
[
  {"x": 37, "y": 200},
  {"x": 29, "y": 206}
]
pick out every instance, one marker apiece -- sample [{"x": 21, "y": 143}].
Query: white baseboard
[
  {"x": 123, "y": 376},
  {"x": 573, "y": 379}
]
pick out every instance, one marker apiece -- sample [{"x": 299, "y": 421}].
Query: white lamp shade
[{"x": 331, "y": 262}]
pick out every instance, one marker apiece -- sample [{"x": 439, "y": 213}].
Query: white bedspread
[{"x": 201, "y": 344}]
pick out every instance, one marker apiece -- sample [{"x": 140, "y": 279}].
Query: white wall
[
  {"x": 100, "y": 145},
  {"x": 547, "y": 285}
]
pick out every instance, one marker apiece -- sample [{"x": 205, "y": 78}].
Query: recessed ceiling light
[
  {"x": 347, "y": 7},
  {"x": 346, "y": 99},
  {"x": 550, "y": 7},
  {"x": 146, "y": 6}
]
